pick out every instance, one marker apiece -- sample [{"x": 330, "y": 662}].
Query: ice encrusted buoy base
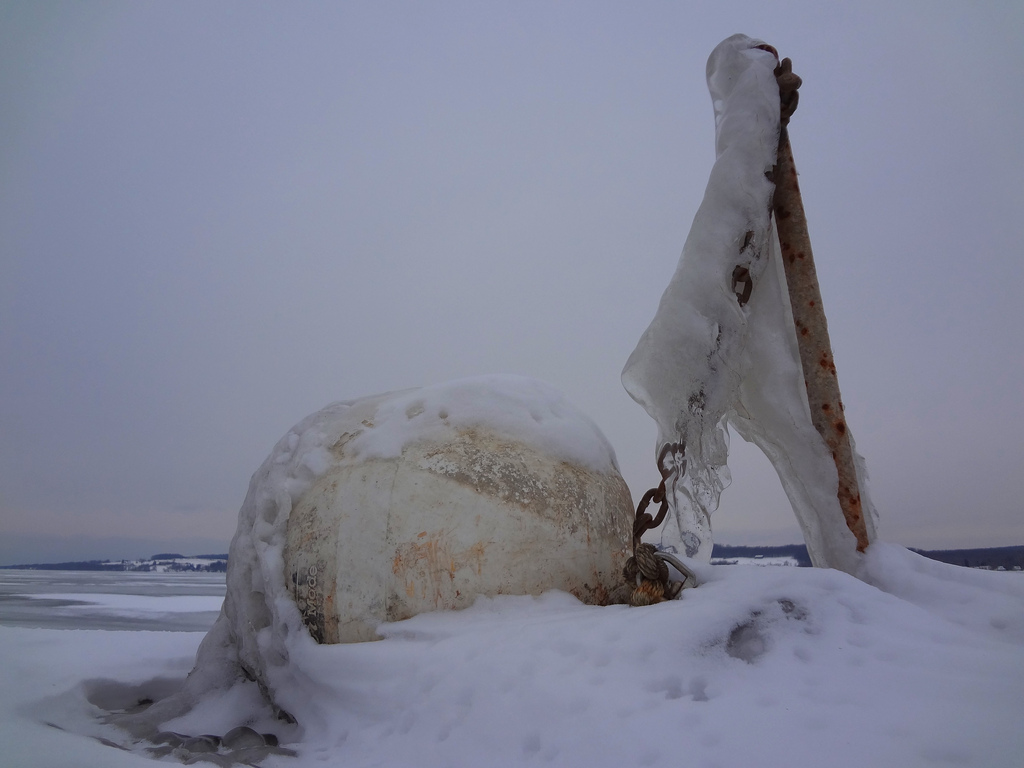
[{"x": 378, "y": 509}]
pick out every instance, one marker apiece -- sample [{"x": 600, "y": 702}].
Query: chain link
[{"x": 646, "y": 572}]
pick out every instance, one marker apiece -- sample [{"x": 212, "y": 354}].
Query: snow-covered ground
[{"x": 923, "y": 666}]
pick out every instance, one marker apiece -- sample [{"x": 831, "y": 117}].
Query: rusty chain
[{"x": 647, "y": 570}]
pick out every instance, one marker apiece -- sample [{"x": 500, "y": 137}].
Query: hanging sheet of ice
[
  {"x": 721, "y": 348},
  {"x": 688, "y": 366}
]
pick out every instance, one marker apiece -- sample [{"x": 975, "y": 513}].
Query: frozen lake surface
[{"x": 110, "y": 600}]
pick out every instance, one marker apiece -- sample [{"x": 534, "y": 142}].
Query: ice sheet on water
[
  {"x": 134, "y": 605},
  {"x": 113, "y": 601},
  {"x": 112, "y": 582}
]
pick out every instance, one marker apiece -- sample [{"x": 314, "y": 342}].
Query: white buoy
[{"x": 382, "y": 508}]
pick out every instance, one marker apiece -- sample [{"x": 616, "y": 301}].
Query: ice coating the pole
[{"x": 721, "y": 348}]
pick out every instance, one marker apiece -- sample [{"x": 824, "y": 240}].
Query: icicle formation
[
  {"x": 687, "y": 368},
  {"x": 722, "y": 349}
]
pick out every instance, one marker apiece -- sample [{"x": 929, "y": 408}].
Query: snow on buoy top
[{"x": 518, "y": 407}]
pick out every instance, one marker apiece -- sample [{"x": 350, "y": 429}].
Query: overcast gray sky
[{"x": 215, "y": 218}]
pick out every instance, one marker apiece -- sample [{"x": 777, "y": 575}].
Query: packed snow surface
[{"x": 918, "y": 664}]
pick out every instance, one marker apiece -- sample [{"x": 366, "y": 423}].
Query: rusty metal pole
[{"x": 809, "y": 317}]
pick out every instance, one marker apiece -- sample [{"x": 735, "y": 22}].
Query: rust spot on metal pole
[{"x": 812, "y": 335}]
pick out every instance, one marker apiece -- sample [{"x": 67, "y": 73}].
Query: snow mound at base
[{"x": 758, "y": 666}]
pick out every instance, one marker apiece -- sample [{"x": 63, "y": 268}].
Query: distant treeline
[
  {"x": 991, "y": 557},
  {"x": 170, "y": 562}
]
